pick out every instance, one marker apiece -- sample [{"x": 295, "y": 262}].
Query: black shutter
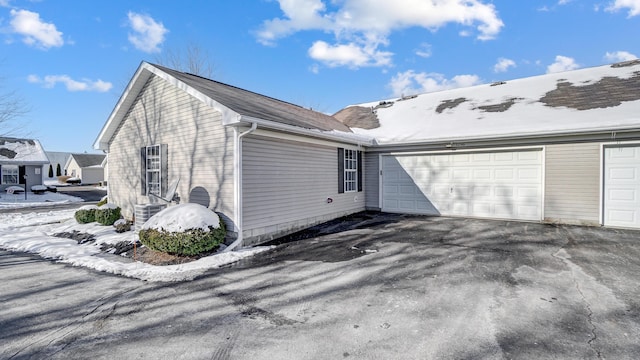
[
  {"x": 21, "y": 174},
  {"x": 164, "y": 171},
  {"x": 143, "y": 170},
  {"x": 340, "y": 170},
  {"x": 0, "y": 174},
  {"x": 359, "y": 171}
]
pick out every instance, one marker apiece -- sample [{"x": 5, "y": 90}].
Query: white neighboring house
[
  {"x": 87, "y": 167},
  {"x": 21, "y": 162},
  {"x": 56, "y": 159}
]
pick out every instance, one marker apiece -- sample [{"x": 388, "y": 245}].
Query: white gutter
[
  {"x": 237, "y": 185},
  {"x": 338, "y": 136}
]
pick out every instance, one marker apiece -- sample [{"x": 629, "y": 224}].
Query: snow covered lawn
[
  {"x": 33, "y": 233},
  {"x": 10, "y": 201}
]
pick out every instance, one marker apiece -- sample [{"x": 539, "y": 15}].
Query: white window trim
[{"x": 154, "y": 188}]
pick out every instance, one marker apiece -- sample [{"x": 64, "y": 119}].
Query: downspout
[{"x": 237, "y": 186}]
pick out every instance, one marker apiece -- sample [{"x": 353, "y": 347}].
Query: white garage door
[
  {"x": 503, "y": 185},
  {"x": 622, "y": 186}
]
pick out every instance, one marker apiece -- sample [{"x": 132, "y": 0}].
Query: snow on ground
[
  {"x": 10, "y": 201},
  {"x": 33, "y": 233}
]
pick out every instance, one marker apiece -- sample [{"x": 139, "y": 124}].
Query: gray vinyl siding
[
  {"x": 372, "y": 182},
  {"x": 200, "y": 150},
  {"x": 572, "y": 183},
  {"x": 286, "y": 187}
]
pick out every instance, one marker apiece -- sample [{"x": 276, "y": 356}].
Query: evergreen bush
[
  {"x": 189, "y": 242},
  {"x": 107, "y": 214},
  {"x": 86, "y": 214},
  {"x": 58, "y": 171},
  {"x": 122, "y": 225},
  {"x": 50, "y": 171}
]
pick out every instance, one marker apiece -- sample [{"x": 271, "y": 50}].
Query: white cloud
[
  {"x": 35, "y": 32},
  {"x": 619, "y": 56},
  {"x": 315, "y": 68},
  {"x": 562, "y": 63},
  {"x": 351, "y": 55},
  {"x": 367, "y": 24},
  {"x": 632, "y": 5},
  {"x": 424, "y": 50},
  {"x": 147, "y": 34},
  {"x": 50, "y": 81},
  {"x": 410, "y": 82},
  {"x": 503, "y": 65}
]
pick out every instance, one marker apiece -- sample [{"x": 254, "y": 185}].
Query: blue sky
[{"x": 70, "y": 60}]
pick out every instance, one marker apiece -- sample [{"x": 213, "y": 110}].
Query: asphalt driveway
[{"x": 372, "y": 287}]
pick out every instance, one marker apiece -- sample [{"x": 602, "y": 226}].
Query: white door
[
  {"x": 622, "y": 186},
  {"x": 503, "y": 185}
]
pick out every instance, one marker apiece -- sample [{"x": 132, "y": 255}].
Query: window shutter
[
  {"x": 340, "y": 170},
  {"x": 164, "y": 171},
  {"x": 21, "y": 173},
  {"x": 143, "y": 171},
  {"x": 0, "y": 174},
  {"x": 359, "y": 171}
]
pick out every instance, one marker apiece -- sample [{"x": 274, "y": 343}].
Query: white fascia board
[
  {"x": 336, "y": 136},
  {"x": 122, "y": 106}
]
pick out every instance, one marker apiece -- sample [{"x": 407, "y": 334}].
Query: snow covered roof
[
  {"x": 604, "y": 98},
  {"x": 14, "y": 151}
]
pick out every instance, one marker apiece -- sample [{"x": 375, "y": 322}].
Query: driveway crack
[{"x": 564, "y": 257}]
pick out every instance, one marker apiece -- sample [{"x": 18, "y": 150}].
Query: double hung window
[{"x": 10, "y": 174}]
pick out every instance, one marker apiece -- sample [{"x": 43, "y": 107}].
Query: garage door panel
[
  {"x": 505, "y": 174},
  {"x": 622, "y": 186},
  {"x": 484, "y": 184}
]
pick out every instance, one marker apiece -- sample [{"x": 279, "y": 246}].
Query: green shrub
[
  {"x": 189, "y": 242},
  {"x": 107, "y": 214},
  {"x": 86, "y": 214},
  {"x": 122, "y": 225}
]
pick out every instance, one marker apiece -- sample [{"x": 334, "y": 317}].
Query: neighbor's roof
[
  {"x": 15, "y": 151},
  {"x": 88, "y": 160},
  {"x": 604, "y": 98},
  {"x": 58, "y": 157},
  {"x": 236, "y": 105}
]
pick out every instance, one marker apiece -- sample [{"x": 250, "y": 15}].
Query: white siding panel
[
  {"x": 200, "y": 150},
  {"x": 372, "y": 181},
  {"x": 572, "y": 185},
  {"x": 286, "y": 187}
]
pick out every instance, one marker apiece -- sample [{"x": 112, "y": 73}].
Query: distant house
[
  {"x": 57, "y": 159},
  {"x": 21, "y": 162},
  {"x": 87, "y": 167},
  {"x": 553, "y": 148}
]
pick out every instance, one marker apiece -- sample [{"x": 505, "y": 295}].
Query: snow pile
[
  {"x": 180, "y": 218},
  {"x": 33, "y": 233},
  {"x": 108, "y": 206}
]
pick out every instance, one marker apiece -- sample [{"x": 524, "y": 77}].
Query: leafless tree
[
  {"x": 192, "y": 59},
  {"x": 12, "y": 107}
]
